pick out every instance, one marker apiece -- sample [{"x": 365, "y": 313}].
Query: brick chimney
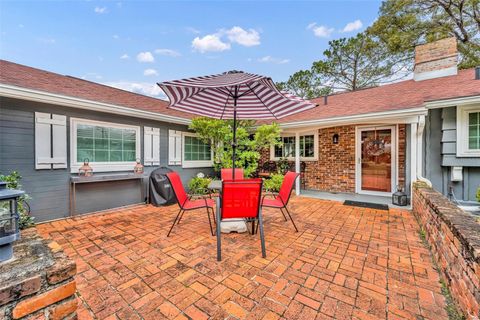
[{"x": 436, "y": 59}]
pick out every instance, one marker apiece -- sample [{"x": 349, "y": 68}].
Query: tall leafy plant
[{"x": 251, "y": 140}]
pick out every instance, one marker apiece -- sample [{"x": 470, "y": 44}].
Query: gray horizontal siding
[
  {"x": 49, "y": 189},
  {"x": 441, "y": 154}
]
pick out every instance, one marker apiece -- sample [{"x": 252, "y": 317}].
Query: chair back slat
[
  {"x": 227, "y": 174},
  {"x": 178, "y": 188},
  {"x": 241, "y": 199},
  {"x": 287, "y": 186}
]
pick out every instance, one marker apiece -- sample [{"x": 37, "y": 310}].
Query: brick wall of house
[
  {"x": 335, "y": 169},
  {"x": 453, "y": 236}
]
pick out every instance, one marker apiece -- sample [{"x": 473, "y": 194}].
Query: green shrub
[
  {"x": 283, "y": 165},
  {"x": 478, "y": 194},
  {"x": 274, "y": 183},
  {"x": 13, "y": 182},
  {"x": 199, "y": 185}
]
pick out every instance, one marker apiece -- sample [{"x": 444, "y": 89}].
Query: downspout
[{"x": 420, "y": 154}]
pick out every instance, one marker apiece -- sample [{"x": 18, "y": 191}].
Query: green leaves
[
  {"x": 250, "y": 141},
  {"x": 403, "y": 24},
  {"x": 348, "y": 64},
  {"x": 305, "y": 84}
]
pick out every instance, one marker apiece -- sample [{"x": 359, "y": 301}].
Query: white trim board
[
  {"x": 72, "y": 102},
  {"x": 435, "y": 104},
  {"x": 409, "y": 115}
]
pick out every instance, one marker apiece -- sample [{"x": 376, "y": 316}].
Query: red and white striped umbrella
[{"x": 232, "y": 95}]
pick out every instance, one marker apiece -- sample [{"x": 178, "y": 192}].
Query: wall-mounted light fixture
[{"x": 335, "y": 138}]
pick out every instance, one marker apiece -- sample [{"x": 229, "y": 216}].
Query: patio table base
[{"x": 236, "y": 225}]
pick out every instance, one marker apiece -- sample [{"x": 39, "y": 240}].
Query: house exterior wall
[
  {"x": 334, "y": 171},
  {"x": 49, "y": 189},
  {"x": 440, "y": 156}
]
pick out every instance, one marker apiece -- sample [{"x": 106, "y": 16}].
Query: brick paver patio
[{"x": 344, "y": 263}]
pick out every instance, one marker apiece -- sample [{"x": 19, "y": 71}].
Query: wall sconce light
[{"x": 335, "y": 138}]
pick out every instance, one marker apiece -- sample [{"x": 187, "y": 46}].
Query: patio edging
[{"x": 454, "y": 238}]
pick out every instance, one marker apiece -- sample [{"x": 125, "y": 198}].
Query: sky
[{"x": 134, "y": 44}]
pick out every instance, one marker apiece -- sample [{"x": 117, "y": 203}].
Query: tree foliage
[
  {"x": 305, "y": 84},
  {"x": 250, "y": 141},
  {"x": 348, "y": 64},
  {"x": 358, "y": 62},
  {"x": 403, "y": 24}
]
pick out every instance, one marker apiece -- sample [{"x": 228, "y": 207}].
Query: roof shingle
[{"x": 392, "y": 97}]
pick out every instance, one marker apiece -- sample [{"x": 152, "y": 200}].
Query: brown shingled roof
[
  {"x": 396, "y": 96},
  {"x": 392, "y": 97},
  {"x": 27, "y": 77}
]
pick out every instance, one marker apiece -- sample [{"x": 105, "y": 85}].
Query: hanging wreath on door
[{"x": 375, "y": 147}]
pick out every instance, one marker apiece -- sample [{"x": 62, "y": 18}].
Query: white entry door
[{"x": 376, "y": 160}]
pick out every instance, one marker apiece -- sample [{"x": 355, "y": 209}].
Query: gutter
[
  {"x": 452, "y": 102},
  {"x": 72, "y": 102},
  {"x": 385, "y": 115}
]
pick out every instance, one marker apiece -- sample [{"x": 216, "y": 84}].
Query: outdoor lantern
[
  {"x": 399, "y": 198},
  {"x": 9, "y": 231},
  {"x": 85, "y": 170},
  {"x": 335, "y": 138},
  {"x": 138, "y": 169}
]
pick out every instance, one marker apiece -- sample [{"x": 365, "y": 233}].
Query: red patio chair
[
  {"x": 227, "y": 174},
  {"x": 185, "y": 202},
  {"x": 280, "y": 200},
  {"x": 240, "y": 199}
]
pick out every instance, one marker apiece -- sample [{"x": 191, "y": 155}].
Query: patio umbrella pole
[{"x": 234, "y": 143}]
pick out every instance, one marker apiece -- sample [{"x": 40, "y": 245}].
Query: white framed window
[
  {"x": 308, "y": 147},
  {"x": 468, "y": 131},
  {"x": 195, "y": 152},
  {"x": 108, "y": 146}
]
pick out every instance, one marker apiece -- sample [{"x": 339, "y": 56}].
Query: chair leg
[
  {"x": 253, "y": 226},
  {"x": 262, "y": 235},
  {"x": 174, "y": 222},
  {"x": 291, "y": 219},
  {"x": 181, "y": 216},
  {"x": 219, "y": 232},
  {"x": 283, "y": 213},
  {"x": 209, "y": 221}
]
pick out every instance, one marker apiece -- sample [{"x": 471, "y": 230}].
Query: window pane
[
  {"x": 84, "y": 143},
  {"x": 115, "y": 145},
  {"x": 474, "y": 130},
  {"x": 115, "y": 156},
  {"x": 84, "y": 154},
  {"x": 100, "y": 156},
  {"x": 105, "y": 144},
  {"x": 129, "y": 156},
  {"x": 84, "y": 131},
  {"x": 194, "y": 149},
  {"x": 473, "y": 118},
  {"x": 473, "y": 143}
]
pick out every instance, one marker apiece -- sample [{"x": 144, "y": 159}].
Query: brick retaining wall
[
  {"x": 38, "y": 283},
  {"x": 454, "y": 237}
]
